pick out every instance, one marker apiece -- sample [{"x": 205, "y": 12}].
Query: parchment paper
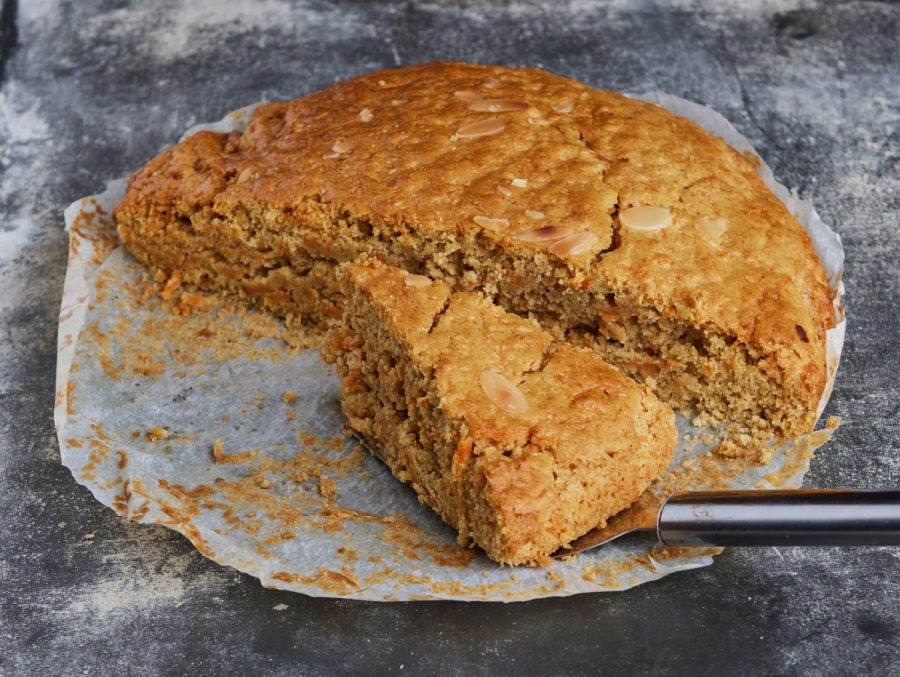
[{"x": 210, "y": 423}]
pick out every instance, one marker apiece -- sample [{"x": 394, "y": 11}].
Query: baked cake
[
  {"x": 611, "y": 221},
  {"x": 519, "y": 441}
]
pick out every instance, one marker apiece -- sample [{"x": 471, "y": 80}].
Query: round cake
[{"x": 612, "y": 222}]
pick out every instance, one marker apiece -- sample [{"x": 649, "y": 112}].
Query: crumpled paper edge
[{"x": 826, "y": 242}]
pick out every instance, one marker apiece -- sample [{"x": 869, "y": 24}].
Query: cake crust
[{"x": 452, "y": 169}]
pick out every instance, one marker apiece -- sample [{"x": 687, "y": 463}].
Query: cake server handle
[{"x": 782, "y": 517}]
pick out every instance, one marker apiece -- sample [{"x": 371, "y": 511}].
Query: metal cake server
[{"x": 782, "y": 517}]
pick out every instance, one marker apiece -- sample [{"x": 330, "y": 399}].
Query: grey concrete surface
[{"x": 91, "y": 89}]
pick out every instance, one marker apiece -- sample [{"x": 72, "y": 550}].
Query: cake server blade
[{"x": 760, "y": 518}]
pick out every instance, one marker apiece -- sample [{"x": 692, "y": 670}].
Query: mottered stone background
[{"x": 91, "y": 89}]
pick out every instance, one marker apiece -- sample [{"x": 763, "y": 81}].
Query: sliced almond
[
  {"x": 503, "y": 392},
  {"x": 466, "y": 95},
  {"x": 573, "y": 245},
  {"x": 487, "y": 127},
  {"x": 246, "y": 175},
  {"x": 490, "y": 223},
  {"x": 503, "y": 190},
  {"x": 496, "y": 105},
  {"x": 416, "y": 281},
  {"x": 365, "y": 115},
  {"x": 712, "y": 229},
  {"x": 398, "y": 102},
  {"x": 646, "y": 219},
  {"x": 564, "y": 106},
  {"x": 341, "y": 147},
  {"x": 519, "y": 183},
  {"x": 534, "y": 214},
  {"x": 490, "y": 83},
  {"x": 330, "y": 155},
  {"x": 545, "y": 234}
]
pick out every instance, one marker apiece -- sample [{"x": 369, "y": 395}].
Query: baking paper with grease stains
[{"x": 220, "y": 423}]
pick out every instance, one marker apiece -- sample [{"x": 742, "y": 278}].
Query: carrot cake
[
  {"x": 612, "y": 222},
  {"x": 519, "y": 441}
]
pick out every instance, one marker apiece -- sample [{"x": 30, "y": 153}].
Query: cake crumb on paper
[
  {"x": 157, "y": 433},
  {"x": 220, "y": 457}
]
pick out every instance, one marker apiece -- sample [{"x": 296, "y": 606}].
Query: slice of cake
[
  {"x": 520, "y": 442},
  {"x": 609, "y": 220}
]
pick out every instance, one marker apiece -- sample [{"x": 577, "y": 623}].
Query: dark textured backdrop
[{"x": 92, "y": 89}]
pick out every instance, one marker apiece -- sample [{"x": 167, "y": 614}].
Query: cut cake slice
[{"x": 520, "y": 442}]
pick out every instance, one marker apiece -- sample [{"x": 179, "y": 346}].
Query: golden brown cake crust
[
  {"x": 520, "y": 483},
  {"x": 402, "y": 156}
]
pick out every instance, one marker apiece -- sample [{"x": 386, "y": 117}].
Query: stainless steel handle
[{"x": 784, "y": 517}]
